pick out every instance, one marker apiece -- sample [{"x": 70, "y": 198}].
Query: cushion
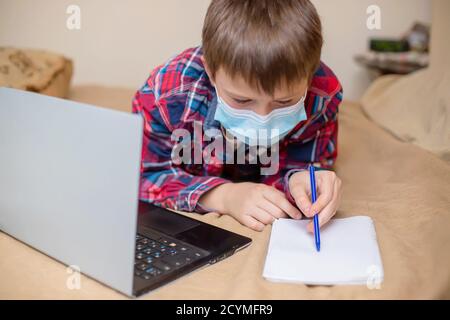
[{"x": 35, "y": 70}]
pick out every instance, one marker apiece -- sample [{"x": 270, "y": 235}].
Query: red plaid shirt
[{"x": 179, "y": 93}]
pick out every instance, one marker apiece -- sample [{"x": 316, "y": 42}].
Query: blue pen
[{"x": 313, "y": 199}]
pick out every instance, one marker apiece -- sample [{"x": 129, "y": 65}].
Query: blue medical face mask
[{"x": 254, "y": 129}]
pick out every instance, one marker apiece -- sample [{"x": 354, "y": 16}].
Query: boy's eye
[
  {"x": 242, "y": 101},
  {"x": 285, "y": 101}
]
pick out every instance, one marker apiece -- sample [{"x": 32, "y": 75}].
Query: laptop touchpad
[{"x": 164, "y": 221}]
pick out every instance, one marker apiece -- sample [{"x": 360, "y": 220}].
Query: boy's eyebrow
[
  {"x": 285, "y": 99},
  {"x": 288, "y": 98},
  {"x": 237, "y": 96}
]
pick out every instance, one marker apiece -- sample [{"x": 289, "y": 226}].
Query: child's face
[{"x": 238, "y": 94}]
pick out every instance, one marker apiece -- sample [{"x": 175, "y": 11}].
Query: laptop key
[
  {"x": 142, "y": 266},
  {"x": 150, "y": 273},
  {"x": 156, "y": 254},
  {"x": 153, "y": 271},
  {"x": 146, "y": 276},
  {"x": 167, "y": 242},
  {"x": 149, "y": 260},
  {"x": 143, "y": 241},
  {"x": 148, "y": 251},
  {"x": 172, "y": 252},
  {"x": 185, "y": 257},
  {"x": 141, "y": 256},
  {"x": 174, "y": 261},
  {"x": 139, "y": 247},
  {"x": 161, "y": 265}
]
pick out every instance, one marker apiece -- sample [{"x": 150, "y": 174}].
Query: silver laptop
[{"x": 69, "y": 179}]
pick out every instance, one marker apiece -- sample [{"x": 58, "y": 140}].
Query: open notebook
[{"x": 349, "y": 253}]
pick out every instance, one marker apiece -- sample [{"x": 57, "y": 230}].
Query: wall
[{"x": 121, "y": 41}]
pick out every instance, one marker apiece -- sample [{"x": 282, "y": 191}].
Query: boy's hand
[
  {"x": 329, "y": 191},
  {"x": 252, "y": 204}
]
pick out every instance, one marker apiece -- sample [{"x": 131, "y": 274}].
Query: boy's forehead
[{"x": 237, "y": 85}]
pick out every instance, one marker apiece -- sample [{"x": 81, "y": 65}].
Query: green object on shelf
[{"x": 389, "y": 45}]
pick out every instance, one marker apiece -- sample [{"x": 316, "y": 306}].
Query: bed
[{"x": 405, "y": 189}]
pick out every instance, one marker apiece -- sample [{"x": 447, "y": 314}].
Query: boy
[{"x": 258, "y": 68}]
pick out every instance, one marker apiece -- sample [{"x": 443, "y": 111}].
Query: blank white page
[{"x": 349, "y": 253}]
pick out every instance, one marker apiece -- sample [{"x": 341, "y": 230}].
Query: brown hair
[{"x": 267, "y": 42}]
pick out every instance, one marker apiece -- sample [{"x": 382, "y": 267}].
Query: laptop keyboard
[{"x": 163, "y": 255}]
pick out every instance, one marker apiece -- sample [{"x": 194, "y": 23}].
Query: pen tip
[{"x": 318, "y": 247}]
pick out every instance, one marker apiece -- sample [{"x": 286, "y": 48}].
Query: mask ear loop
[
  {"x": 217, "y": 95},
  {"x": 303, "y": 98}
]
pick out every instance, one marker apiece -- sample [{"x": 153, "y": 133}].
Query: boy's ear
[{"x": 208, "y": 72}]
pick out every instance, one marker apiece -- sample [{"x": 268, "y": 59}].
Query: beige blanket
[{"x": 405, "y": 189}]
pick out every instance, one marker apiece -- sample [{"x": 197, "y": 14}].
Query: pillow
[{"x": 35, "y": 70}]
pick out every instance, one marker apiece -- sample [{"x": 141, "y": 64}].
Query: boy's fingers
[
  {"x": 299, "y": 193},
  {"x": 328, "y": 212},
  {"x": 325, "y": 192},
  {"x": 271, "y": 208},
  {"x": 252, "y": 223},
  {"x": 290, "y": 210},
  {"x": 304, "y": 204},
  {"x": 324, "y": 216},
  {"x": 278, "y": 199},
  {"x": 262, "y": 216}
]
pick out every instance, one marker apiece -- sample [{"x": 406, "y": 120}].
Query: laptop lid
[{"x": 69, "y": 178}]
